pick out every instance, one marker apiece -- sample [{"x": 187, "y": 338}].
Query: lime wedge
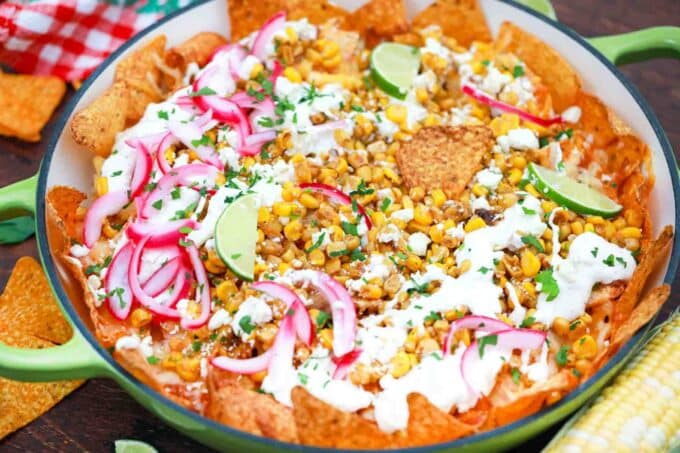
[
  {"x": 394, "y": 66},
  {"x": 571, "y": 194},
  {"x": 133, "y": 446},
  {"x": 236, "y": 236}
]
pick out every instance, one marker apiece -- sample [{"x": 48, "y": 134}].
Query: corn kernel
[
  {"x": 596, "y": 220},
  {"x": 422, "y": 215},
  {"x": 283, "y": 267},
  {"x": 473, "y": 224},
  {"x": 291, "y": 35},
  {"x": 189, "y": 369},
  {"x": 109, "y": 231},
  {"x": 503, "y": 124},
  {"x": 341, "y": 166},
  {"x": 529, "y": 288},
  {"x": 438, "y": 197},
  {"x": 170, "y": 361},
  {"x": 479, "y": 190},
  {"x": 421, "y": 95},
  {"x": 548, "y": 206},
  {"x": 465, "y": 266},
  {"x": 317, "y": 257},
  {"x": 293, "y": 231},
  {"x": 256, "y": 70},
  {"x": 378, "y": 218},
  {"x": 372, "y": 292},
  {"x": 101, "y": 185},
  {"x": 413, "y": 262},
  {"x": 436, "y": 234},
  {"x": 326, "y": 338},
  {"x": 633, "y": 218},
  {"x": 515, "y": 176},
  {"x": 391, "y": 175},
  {"x": 532, "y": 190},
  {"x": 263, "y": 215},
  {"x": 630, "y": 233},
  {"x": 589, "y": 227},
  {"x": 297, "y": 158},
  {"x": 561, "y": 326},
  {"x": 401, "y": 364},
  {"x": 284, "y": 209},
  {"x": 140, "y": 317},
  {"x": 396, "y": 113},
  {"x": 292, "y": 74},
  {"x": 309, "y": 201},
  {"x": 585, "y": 347},
  {"x": 226, "y": 289},
  {"x": 530, "y": 264},
  {"x": 576, "y": 228}
]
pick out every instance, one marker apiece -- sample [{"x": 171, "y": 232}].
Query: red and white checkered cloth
[{"x": 69, "y": 38}]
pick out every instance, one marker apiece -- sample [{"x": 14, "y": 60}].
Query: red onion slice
[
  {"x": 344, "y": 363},
  {"x": 185, "y": 175},
  {"x": 163, "y": 277},
  {"x": 337, "y": 196},
  {"x": 489, "y": 100},
  {"x": 303, "y": 323},
  {"x": 119, "y": 294},
  {"x": 481, "y": 323},
  {"x": 104, "y": 206},
  {"x": 203, "y": 288},
  {"x": 143, "y": 165},
  {"x": 167, "y": 141},
  {"x": 189, "y": 133},
  {"x": 253, "y": 143},
  {"x": 342, "y": 308},
  {"x": 266, "y": 34},
  {"x": 506, "y": 340},
  {"x": 166, "y": 234},
  {"x": 244, "y": 366},
  {"x": 152, "y": 304}
]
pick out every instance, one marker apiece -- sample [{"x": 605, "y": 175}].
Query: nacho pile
[
  {"x": 399, "y": 279},
  {"x": 30, "y": 318},
  {"x": 27, "y": 103}
]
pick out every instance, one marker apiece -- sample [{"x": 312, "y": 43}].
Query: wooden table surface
[{"x": 94, "y": 416}]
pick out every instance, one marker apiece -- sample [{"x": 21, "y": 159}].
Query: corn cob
[{"x": 640, "y": 411}]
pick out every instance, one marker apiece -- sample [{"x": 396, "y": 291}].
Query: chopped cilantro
[
  {"x": 246, "y": 324},
  {"x": 153, "y": 360},
  {"x": 339, "y": 253},
  {"x": 117, "y": 173},
  {"x": 318, "y": 242},
  {"x": 543, "y": 141},
  {"x": 483, "y": 270},
  {"x": 417, "y": 288},
  {"x": 97, "y": 268},
  {"x": 548, "y": 284},
  {"x": 609, "y": 261},
  {"x": 357, "y": 108},
  {"x": 561, "y": 356},
  {"x": 186, "y": 230},
  {"x": 621, "y": 261},
  {"x": 349, "y": 228},
  {"x": 158, "y": 204},
  {"x": 486, "y": 340},
  {"x": 356, "y": 255},
  {"x": 321, "y": 319},
  {"x": 265, "y": 121},
  {"x": 384, "y": 206},
  {"x": 361, "y": 189},
  {"x": 528, "y": 322},
  {"x": 516, "y": 376},
  {"x": 303, "y": 378},
  {"x": 433, "y": 316},
  {"x": 162, "y": 114},
  {"x": 531, "y": 240},
  {"x": 203, "y": 141},
  {"x": 236, "y": 256},
  {"x": 184, "y": 242},
  {"x": 175, "y": 193},
  {"x": 594, "y": 252},
  {"x": 196, "y": 345},
  {"x": 205, "y": 91},
  {"x": 518, "y": 71}
]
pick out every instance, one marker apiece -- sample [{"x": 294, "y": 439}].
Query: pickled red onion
[
  {"x": 203, "y": 288},
  {"x": 337, "y": 196},
  {"x": 166, "y": 234},
  {"x": 186, "y": 175},
  {"x": 303, "y": 323},
  {"x": 266, "y": 34},
  {"x": 163, "y": 277},
  {"x": 481, "y": 323},
  {"x": 104, "y": 206},
  {"x": 190, "y": 133},
  {"x": 344, "y": 363},
  {"x": 119, "y": 294}
]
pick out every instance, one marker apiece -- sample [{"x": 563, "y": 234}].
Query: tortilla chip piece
[
  {"x": 96, "y": 126},
  {"x": 252, "y": 412},
  {"x": 197, "y": 49},
  {"x": 27, "y": 304},
  {"x": 643, "y": 312},
  {"x": 444, "y": 157},
  {"x": 460, "y": 19},
  {"x": 66, "y": 201},
  {"x": 427, "y": 424},
  {"x": 316, "y": 11},
  {"x": 322, "y": 425},
  {"x": 655, "y": 252},
  {"x": 23, "y": 402},
  {"x": 27, "y": 103},
  {"x": 245, "y": 19},
  {"x": 558, "y": 75},
  {"x": 379, "y": 20}
]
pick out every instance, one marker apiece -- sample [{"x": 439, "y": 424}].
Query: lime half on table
[
  {"x": 394, "y": 66},
  {"x": 133, "y": 446},
  {"x": 572, "y": 194},
  {"x": 236, "y": 236}
]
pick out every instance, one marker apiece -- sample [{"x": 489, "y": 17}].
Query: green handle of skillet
[
  {"x": 17, "y": 209},
  {"x": 75, "y": 359},
  {"x": 641, "y": 45},
  {"x": 540, "y": 6}
]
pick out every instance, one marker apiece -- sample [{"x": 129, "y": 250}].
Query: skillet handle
[
  {"x": 540, "y": 6},
  {"x": 641, "y": 45},
  {"x": 17, "y": 200},
  {"x": 75, "y": 359}
]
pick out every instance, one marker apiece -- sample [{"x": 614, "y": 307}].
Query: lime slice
[
  {"x": 394, "y": 66},
  {"x": 571, "y": 194},
  {"x": 133, "y": 446},
  {"x": 236, "y": 236}
]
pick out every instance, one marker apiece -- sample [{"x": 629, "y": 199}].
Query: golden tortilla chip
[
  {"x": 379, "y": 20},
  {"x": 27, "y": 103},
  {"x": 429, "y": 425},
  {"x": 558, "y": 75},
  {"x": 317, "y": 11},
  {"x": 66, "y": 201},
  {"x": 444, "y": 157},
  {"x": 643, "y": 312},
  {"x": 23, "y": 402},
  {"x": 197, "y": 49},
  {"x": 460, "y": 19},
  {"x": 96, "y": 126},
  {"x": 27, "y": 304},
  {"x": 655, "y": 252},
  {"x": 252, "y": 412},
  {"x": 322, "y": 425},
  {"x": 245, "y": 18}
]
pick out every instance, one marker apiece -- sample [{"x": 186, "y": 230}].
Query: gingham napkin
[{"x": 69, "y": 38}]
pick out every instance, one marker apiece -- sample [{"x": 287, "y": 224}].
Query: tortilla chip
[
  {"x": 322, "y": 425},
  {"x": 252, "y": 412},
  {"x": 460, "y": 19},
  {"x": 23, "y": 402},
  {"x": 643, "y": 312},
  {"x": 657, "y": 250},
  {"x": 558, "y": 75},
  {"x": 27, "y": 304},
  {"x": 96, "y": 126},
  {"x": 27, "y": 103},
  {"x": 66, "y": 201},
  {"x": 245, "y": 18},
  {"x": 316, "y": 11},
  {"x": 379, "y": 20},
  {"x": 444, "y": 157},
  {"x": 197, "y": 49},
  {"x": 430, "y": 425}
]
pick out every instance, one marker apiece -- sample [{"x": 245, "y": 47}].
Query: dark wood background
[{"x": 94, "y": 416}]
